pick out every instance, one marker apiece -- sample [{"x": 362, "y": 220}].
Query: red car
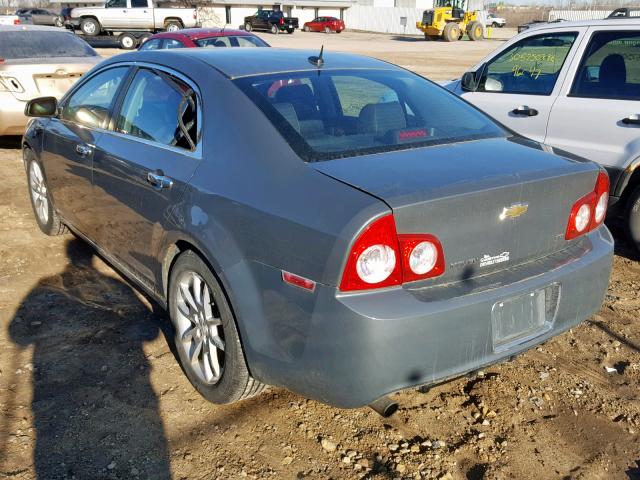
[
  {"x": 203, "y": 37},
  {"x": 324, "y": 24}
]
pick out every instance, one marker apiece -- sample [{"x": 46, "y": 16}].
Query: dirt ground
[{"x": 90, "y": 389}]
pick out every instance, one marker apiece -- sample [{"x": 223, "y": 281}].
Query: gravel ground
[{"x": 90, "y": 389}]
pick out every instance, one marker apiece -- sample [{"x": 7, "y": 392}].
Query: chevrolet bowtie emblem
[{"x": 514, "y": 211}]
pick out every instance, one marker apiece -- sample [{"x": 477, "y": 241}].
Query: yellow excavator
[{"x": 450, "y": 20}]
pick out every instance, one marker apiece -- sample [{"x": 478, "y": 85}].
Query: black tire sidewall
[{"x": 235, "y": 371}]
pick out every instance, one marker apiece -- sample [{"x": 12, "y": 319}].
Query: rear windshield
[
  {"x": 42, "y": 44},
  {"x": 231, "y": 41},
  {"x": 328, "y": 114}
]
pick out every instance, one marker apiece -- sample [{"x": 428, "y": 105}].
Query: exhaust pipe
[{"x": 384, "y": 406}]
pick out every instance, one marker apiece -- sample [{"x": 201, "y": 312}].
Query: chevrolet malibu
[{"x": 331, "y": 224}]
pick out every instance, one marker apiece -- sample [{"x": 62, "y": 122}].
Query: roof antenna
[{"x": 317, "y": 61}]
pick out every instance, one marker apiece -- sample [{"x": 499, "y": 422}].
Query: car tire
[
  {"x": 127, "y": 41},
  {"x": 248, "y": 27},
  {"x": 475, "y": 31},
  {"x": 210, "y": 324},
  {"x": 338, "y": 31},
  {"x": 58, "y": 22},
  {"x": 291, "y": 30},
  {"x": 327, "y": 30},
  {"x": 173, "y": 26},
  {"x": 47, "y": 218},
  {"x": 90, "y": 27},
  {"x": 144, "y": 37},
  {"x": 632, "y": 217},
  {"x": 274, "y": 29},
  {"x": 306, "y": 28},
  {"x": 451, "y": 32},
  {"x": 495, "y": 25}
]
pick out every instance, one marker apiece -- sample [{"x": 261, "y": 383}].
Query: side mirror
[
  {"x": 41, "y": 107},
  {"x": 468, "y": 82}
]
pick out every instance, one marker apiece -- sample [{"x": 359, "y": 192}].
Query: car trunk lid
[
  {"x": 27, "y": 80},
  {"x": 493, "y": 203}
]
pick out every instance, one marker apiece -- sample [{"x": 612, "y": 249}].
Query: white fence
[
  {"x": 383, "y": 19},
  {"x": 574, "y": 15}
]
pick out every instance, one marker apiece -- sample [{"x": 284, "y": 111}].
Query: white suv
[{"x": 573, "y": 86}]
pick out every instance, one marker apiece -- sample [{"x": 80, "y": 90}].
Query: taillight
[
  {"x": 382, "y": 258},
  {"x": 16, "y": 21},
  {"x": 282, "y": 21},
  {"x": 589, "y": 212}
]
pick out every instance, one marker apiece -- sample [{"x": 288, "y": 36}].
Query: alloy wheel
[
  {"x": 38, "y": 190},
  {"x": 199, "y": 328}
]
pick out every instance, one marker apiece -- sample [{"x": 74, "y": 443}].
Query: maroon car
[
  {"x": 203, "y": 37},
  {"x": 324, "y": 24}
]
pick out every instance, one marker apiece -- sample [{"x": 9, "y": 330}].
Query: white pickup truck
[{"x": 131, "y": 15}]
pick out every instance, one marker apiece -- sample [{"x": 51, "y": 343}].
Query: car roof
[
  {"x": 199, "y": 33},
  {"x": 605, "y": 22},
  {"x": 244, "y": 62},
  {"x": 31, "y": 28}
]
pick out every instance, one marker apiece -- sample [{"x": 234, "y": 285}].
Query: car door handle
[
  {"x": 158, "y": 180},
  {"x": 632, "y": 120},
  {"x": 525, "y": 111},
  {"x": 83, "y": 150}
]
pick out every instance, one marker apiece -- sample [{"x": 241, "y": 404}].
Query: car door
[
  {"x": 597, "y": 115},
  {"x": 262, "y": 20},
  {"x": 69, "y": 142},
  {"x": 139, "y": 14},
  {"x": 142, "y": 166},
  {"x": 115, "y": 14},
  {"x": 519, "y": 85}
]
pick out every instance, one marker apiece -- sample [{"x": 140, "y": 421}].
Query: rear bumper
[
  {"x": 349, "y": 350},
  {"x": 12, "y": 118}
]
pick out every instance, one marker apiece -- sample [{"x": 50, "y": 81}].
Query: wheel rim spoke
[{"x": 199, "y": 328}]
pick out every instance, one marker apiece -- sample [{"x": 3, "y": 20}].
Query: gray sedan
[{"x": 330, "y": 224}]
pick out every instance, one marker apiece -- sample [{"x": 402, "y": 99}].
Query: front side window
[
  {"x": 116, "y": 4},
  {"x": 139, "y": 4},
  {"x": 91, "y": 103},
  {"x": 530, "y": 66},
  {"x": 153, "y": 44},
  {"x": 610, "y": 67},
  {"x": 160, "y": 108},
  {"x": 328, "y": 114}
]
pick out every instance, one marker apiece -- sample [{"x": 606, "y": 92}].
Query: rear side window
[
  {"x": 327, "y": 114},
  {"x": 160, "y": 108},
  {"x": 170, "y": 43},
  {"x": 530, "y": 66},
  {"x": 610, "y": 67},
  {"x": 232, "y": 41},
  {"x": 153, "y": 44},
  {"x": 91, "y": 103}
]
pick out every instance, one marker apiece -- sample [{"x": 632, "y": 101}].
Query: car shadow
[
  {"x": 102, "y": 42},
  {"x": 95, "y": 413},
  {"x": 405, "y": 38},
  {"x": 11, "y": 142}
]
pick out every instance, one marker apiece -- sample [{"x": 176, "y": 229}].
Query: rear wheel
[
  {"x": 172, "y": 26},
  {"x": 206, "y": 336},
  {"x": 451, "y": 32},
  {"x": 248, "y": 27},
  {"x": 475, "y": 31},
  {"x": 274, "y": 29},
  {"x": 127, "y": 41},
  {"x": 90, "y": 27},
  {"x": 290, "y": 30},
  {"x": 632, "y": 217},
  {"x": 46, "y": 217}
]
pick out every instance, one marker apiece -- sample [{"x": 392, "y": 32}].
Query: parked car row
[{"x": 433, "y": 212}]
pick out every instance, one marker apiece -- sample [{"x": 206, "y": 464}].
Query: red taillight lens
[
  {"x": 382, "y": 258},
  {"x": 16, "y": 21},
  {"x": 589, "y": 212},
  {"x": 422, "y": 257},
  {"x": 374, "y": 260},
  {"x": 282, "y": 21}
]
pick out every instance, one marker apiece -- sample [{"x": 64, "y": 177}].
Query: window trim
[
  {"x": 583, "y": 59},
  {"x": 537, "y": 35},
  {"x": 136, "y": 67},
  {"x": 64, "y": 101}
]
